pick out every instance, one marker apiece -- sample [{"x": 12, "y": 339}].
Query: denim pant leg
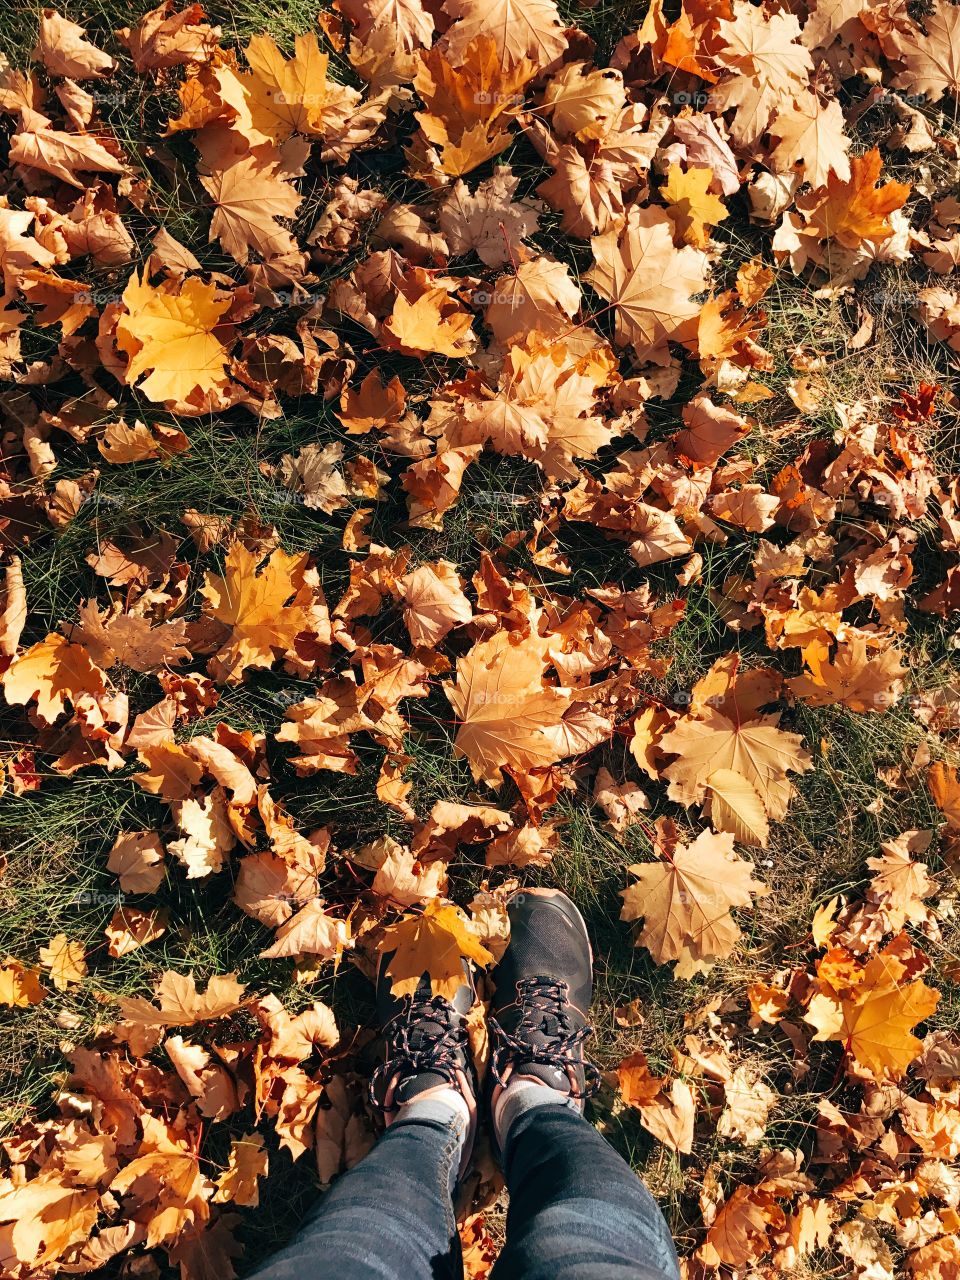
[
  {"x": 391, "y": 1217},
  {"x": 577, "y": 1211}
]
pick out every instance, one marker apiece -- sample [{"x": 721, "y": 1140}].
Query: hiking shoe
[
  {"x": 543, "y": 986},
  {"x": 427, "y": 1048}
]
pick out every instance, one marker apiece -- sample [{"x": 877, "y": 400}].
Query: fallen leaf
[{"x": 433, "y": 943}]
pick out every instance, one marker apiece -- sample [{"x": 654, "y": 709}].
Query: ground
[{"x": 56, "y": 839}]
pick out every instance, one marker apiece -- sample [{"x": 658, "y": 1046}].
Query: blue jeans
[{"x": 577, "y": 1211}]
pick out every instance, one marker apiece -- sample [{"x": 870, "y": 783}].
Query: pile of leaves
[{"x": 466, "y": 239}]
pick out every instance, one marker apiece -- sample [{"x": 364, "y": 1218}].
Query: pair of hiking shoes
[{"x": 537, "y": 1019}]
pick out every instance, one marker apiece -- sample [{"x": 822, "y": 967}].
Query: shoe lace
[
  {"x": 422, "y": 1037},
  {"x": 543, "y": 1036}
]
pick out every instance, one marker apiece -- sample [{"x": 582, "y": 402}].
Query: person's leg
[
  {"x": 577, "y": 1210},
  {"x": 391, "y": 1217}
]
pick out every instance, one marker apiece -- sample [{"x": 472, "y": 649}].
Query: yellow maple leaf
[
  {"x": 435, "y": 943},
  {"x": 247, "y": 1162},
  {"x": 180, "y": 1005},
  {"x": 65, "y": 960},
  {"x": 287, "y": 96},
  {"x": 692, "y": 207},
  {"x": 256, "y": 607},
  {"x": 874, "y": 1019},
  {"x": 434, "y": 322},
  {"x": 51, "y": 673},
  {"x": 19, "y": 986},
  {"x": 169, "y": 333},
  {"x": 861, "y": 681}
]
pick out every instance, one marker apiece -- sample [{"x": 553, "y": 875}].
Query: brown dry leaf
[
  {"x": 13, "y": 616},
  {"x": 930, "y": 57},
  {"x": 172, "y": 773},
  {"x": 295, "y": 95},
  {"x": 294, "y": 1038},
  {"x": 434, "y": 943},
  {"x": 748, "y": 1103},
  {"x": 756, "y": 750},
  {"x": 164, "y": 39},
  {"x": 739, "y": 1234},
  {"x": 507, "y": 715},
  {"x": 812, "y": 139},
  {"x": 685, "y": 902},
  {"x": 470, "y": 96},
  {"x": 311, "y": 932},
  {"x": 269, "y": 889},
  {"x": 532, "y": 29},
  {"x": 64, "y": 155},
  {"x": 130, "y": 928},
  {"x": 489, "y": 222},
  {"x": 372, "y": 404},
  {"x": 527, "y": 846},
  {"x": 121, "y": 444},
  {"x": 434, "y": 602},
  {"x": 401, "y": 878},
  {"x": 621, "y": 802},
  {"x": 856, "y": 209},
  {"x": 63, "y": 48},
  {"x": 208, "y": 835},
  {"x": 313, "y": 473},
  {"x": 250, "y": 196},
  {"x": 648, "y": 281},
  {"x": 899, "y": 884},
  {"x": 945, "y": 789},
  {"x": 669, "y": 1115}
]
